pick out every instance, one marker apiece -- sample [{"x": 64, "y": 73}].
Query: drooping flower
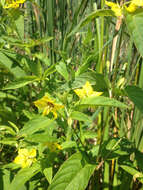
[
  {"x": 48, "y": 105},
  {"x": 115, "y": 7},
  {"x": 25, "y": 157},
  {"x": 87, "y": 91},
  {"x": 13, "y": 3},
  {"x": 53, "y": 146}
]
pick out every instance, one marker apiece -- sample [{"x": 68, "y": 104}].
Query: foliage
[{"x": 71, "y": 95}]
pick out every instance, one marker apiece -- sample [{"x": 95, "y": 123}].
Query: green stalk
[
  {"x": 106, "y": 173},
  {"x": 116, "y": 182},
  {"x": 50, "y": 7}
]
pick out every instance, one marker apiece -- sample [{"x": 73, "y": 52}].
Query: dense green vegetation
[{"x": 71, "y": 95}]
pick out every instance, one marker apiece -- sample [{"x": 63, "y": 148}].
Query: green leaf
[
  {"x": 38, "y": 69},
  {"x": 49, "y": 71},
  {"x": 138, "y": 159},
  {"x": 68, "y": 144},
  {"x": 12, "y": 68},
  {"x": 134, "y": 172},
  {"x": 94, "y": 79},
  {"x": 41, "y": 137},
  {"x": 23, "y": 176},
  {"x": 100, "y": 101},
  {"x": 34, "y": 67},
  {"x": 7, "y": 129},
  {"x": 6, "y": 179},
  {"x": 9, "y": 141},
  {"x": 85, "y": 65},
  {"x": 36, "y": 124},
  {"x": 135, "y": 26},
  {"x": 19, "y": 22},
  {"x": 48, "y": 172},
  {"x": 79, "y": 116},
  {"x": 62, "y": 69},
  {"x": 89, "y": 134},
  {"x": 30, "y": 42},
  {"x": 72, "y": 175},
  {"x": 89, "y": 18},
  {"x": 8, "y": 96},
  {"x": 116, "y": 147},
  {"x": 21, "y": 82},
  {"x": 135, "y": 94}
]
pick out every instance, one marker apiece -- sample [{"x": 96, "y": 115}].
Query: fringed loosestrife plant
[
  {"x": 87, "y": 91},
  {"x": 25, "y": 157},
  {"x": 48, "y": 105}
]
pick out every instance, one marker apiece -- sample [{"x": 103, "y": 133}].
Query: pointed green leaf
[
  {"x": 8, "y": 96},
  {"x": 14, "y": 69},
  {"x": 89, "y": 18},
  {"x": 79, "y": 116},
  {"x": 36, "y": 124},
  {"x": 100, "y": 101},
  {"x": 94, "y": 78},
  {"x": 41, "y": 137},
  {"x": 6, "y": 180},
  {"x": 134, "y": 172},
  {"x": 23, "y": 176},
  {"x": 68, "y": 144},
  {"x": 19, "y": 22},
  {"x": 62, "y": 69},
  {"x": 135, "y": 94},
  {"x": 48, "y": 172},
  {"x": 21, "y": 82},
  {"x": 72, "y": 175},
  {"x": 135, "y": 26}
]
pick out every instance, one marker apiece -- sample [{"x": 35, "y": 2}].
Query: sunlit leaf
[{"x": 72, "y": 175}]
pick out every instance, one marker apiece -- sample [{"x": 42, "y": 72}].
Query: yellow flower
[
  {"x": 137, "y": 2},
  {"x": 131, "y": 8},
  {"x": 87, "y": 91},
  {"x": 53, "y": 146},
  {"x": 25, "y": 157},
  {"x": 118, "y": 10},
  {"x": 115, "y": 7},
  {"x": 13, "y": 3},
  {"x": 48, "y": 106}
]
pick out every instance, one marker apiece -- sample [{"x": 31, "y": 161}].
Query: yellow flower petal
[
  {"x": 53, "y": 146},
  {"x": 48, "y": 105},
  {"x": 19, "y": 159},
  {"x": 110, "y": 4},
  {"x": 25, "y": 157},
  {"x": 131, "y": 8},
  {"x": 46, "y": 111},
  {"x": 58, "y": 146},
  {"x": 32, "y": 153},
  {"x": 13, "y": 3},
  {"x": 55, "y": 114},
  {"x": 137, "y": 2},
  {"x": 115, "y": 7},
  {"x": 97, "y": 93},
  {"x": 87, "y": 91},
  {"x": 80, "y": 93},
  {"x": 23, "y": 152}
]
